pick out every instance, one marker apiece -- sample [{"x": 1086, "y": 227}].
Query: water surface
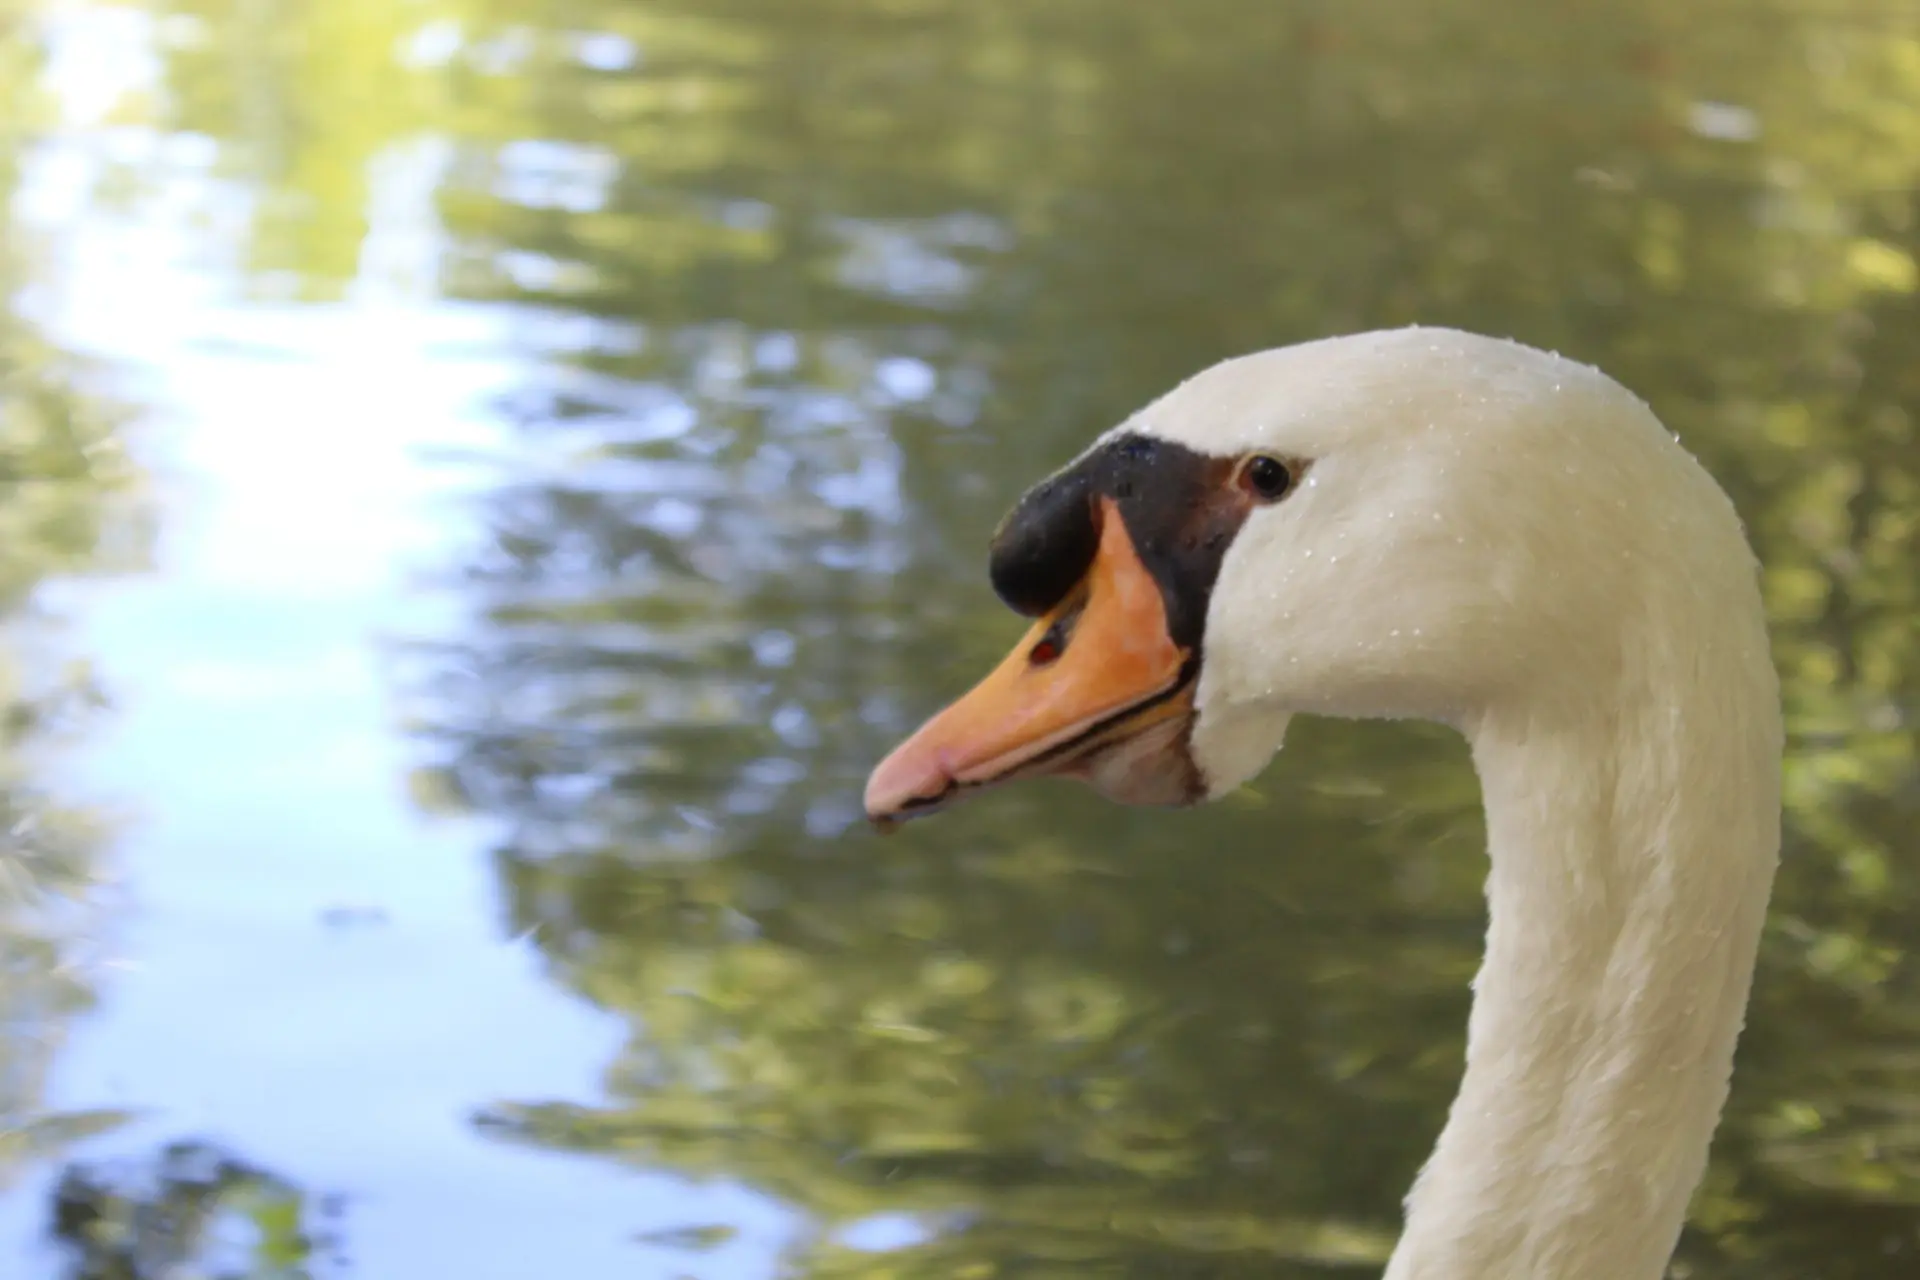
[{"x": 546, "y": 452}]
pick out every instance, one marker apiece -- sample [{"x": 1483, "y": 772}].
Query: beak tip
[{"x": 904, "y": 779}]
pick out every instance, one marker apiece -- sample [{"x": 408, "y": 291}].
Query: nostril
[{"x": 1048, "y": 648}]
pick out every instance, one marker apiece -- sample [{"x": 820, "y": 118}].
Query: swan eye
[{"x": 1266, "y": 478}]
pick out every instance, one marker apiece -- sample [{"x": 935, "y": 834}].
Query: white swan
[{"x": 1428, "y": 523}]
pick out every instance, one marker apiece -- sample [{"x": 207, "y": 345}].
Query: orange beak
[{"x": 1097, "y": 689}]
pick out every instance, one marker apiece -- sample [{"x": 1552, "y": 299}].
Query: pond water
[{"x": 486, "y": 478}]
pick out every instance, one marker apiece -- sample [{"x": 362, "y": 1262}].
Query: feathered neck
[{"x": 1633, "y": 831}]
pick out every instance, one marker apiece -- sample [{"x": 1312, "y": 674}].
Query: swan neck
[{"x": 1632, "y": 846}]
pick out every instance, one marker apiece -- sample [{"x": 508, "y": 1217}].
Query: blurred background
[{"x": 481, "y": 480}]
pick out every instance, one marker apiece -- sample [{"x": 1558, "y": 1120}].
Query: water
[{"x": 534, "y": 457}]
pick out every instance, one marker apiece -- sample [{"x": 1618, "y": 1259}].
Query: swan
[{"x": 1429, "y": 523}]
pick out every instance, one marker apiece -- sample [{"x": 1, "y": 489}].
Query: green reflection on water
[
  {"x": 67, "y": 491},
  {"x": 192, "y": 1208},
  {"x": 811, "y": 290}
]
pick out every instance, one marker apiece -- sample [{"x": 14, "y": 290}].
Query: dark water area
[{"x": 481, "y": 481}]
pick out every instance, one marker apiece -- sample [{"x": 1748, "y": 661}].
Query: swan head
[{"x": 1410, "y": 523}]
